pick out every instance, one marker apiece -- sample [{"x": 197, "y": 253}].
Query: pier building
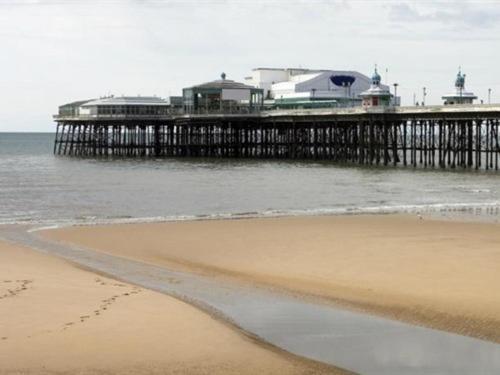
[
  {"x": 126, "y": 106},
  {"x": 72, "y": 109},
  {"x": 295, "y": 87},
  {"x": 460, "y": 95},
  {"x": 224, "y": 118},
  {"x": 377, "y": 95},
  {"x": 458, "y": 136},
  {"x": 123, "y": 106},
  {"x": 222, "y": 96}
]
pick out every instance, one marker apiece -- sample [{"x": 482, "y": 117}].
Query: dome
[
  {"x": 460, "y": 81},
  {"x": 376, "y": 78}
]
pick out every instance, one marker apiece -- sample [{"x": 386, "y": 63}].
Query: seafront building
[
  {"x": 121, "y": 106},
  {"x": 224, "y": 118},
  {"x": 266, "y": 89},
  {"x": 72, "y": 109},
  {"x": 377, "y": 95},
  {"x": 126, "y": 105},
  {"x": 460, "y": 95},
  {"x": 223, "y": 96},
  {"x": 310, "y": 88}
]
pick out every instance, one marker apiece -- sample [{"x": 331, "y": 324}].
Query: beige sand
[
  {"x": 441, "y": 274},
  {"x": 58, "y": 319}
]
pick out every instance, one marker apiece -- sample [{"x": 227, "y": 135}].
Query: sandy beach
[
  {"x": 58, "y": 319},
  {"x": 440, "y": 274}
]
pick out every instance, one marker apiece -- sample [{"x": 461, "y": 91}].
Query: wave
[{"x": 480, "y": 209}]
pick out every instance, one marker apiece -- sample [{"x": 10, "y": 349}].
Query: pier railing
[{"x": 439, "y": 136}]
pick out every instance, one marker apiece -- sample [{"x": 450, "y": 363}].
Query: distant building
[
  {"x": 460, "y": 96},
  {"x": 176, "y": 103},
  {"x": 377, "y": 95},
  {"x": 72, "y": 109},
  {"x": 126, "y": 105},
  {"x": 117, "y": 106},
  {"x": 222, "y": 96},
  {"x": 310, "y": 88}
]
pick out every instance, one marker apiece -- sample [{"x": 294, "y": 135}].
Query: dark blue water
[{"x": 36, "y": 186}]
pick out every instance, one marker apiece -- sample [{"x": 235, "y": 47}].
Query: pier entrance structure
[
  {"x": 460, "y": 96},
  {"x": 459, "y": 136},
  {"x": 222, "y": 96},
  {"x": 376, "y": 95}
]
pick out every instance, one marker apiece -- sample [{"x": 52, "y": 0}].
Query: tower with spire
[
  {"x": 460, "y": 96},
  {"x": 377, "y": 95}
]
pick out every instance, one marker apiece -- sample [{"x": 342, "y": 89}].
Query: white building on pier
[
  {"x": 461, "y": 95},
  {"x": 376, "y": 95},
  {"x": 289, "y": 86},
  {"x": 122, "y": 106}
]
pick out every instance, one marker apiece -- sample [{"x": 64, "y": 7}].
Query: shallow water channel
[{"x": 358, "y": 342}]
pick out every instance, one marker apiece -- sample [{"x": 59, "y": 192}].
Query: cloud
[
  {"x": 56, "y": 51},
  {"x": 453, "y": 15}
]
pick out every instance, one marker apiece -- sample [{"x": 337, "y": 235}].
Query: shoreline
[
  {"x": 91, "y": 337},
  {"x": 474, "y": 211},
  {"x": 358, "y": 297}
]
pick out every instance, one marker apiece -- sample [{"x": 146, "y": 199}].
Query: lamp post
[
  {"x": 489, "y": 96},
  {"x": 424, "y": 92},
  {"x": 395, "y": 84}
]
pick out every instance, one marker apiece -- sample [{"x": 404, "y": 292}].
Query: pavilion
[{"x": 222, "y": 96}]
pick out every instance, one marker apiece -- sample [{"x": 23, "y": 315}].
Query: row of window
[{"x": 132, "y": 110}]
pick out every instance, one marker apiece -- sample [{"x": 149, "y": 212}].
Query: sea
[{"x": 39, "y": 188}]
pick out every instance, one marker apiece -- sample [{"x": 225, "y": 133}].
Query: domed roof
[
  {"x": 460, "y": 81},
  {"x": 376, "y": 77}
]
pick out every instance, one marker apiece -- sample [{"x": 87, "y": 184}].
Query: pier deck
[{"x": 465, "y": 136}]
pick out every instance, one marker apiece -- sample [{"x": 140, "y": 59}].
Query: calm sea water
[{"x": 36, "y": 186}]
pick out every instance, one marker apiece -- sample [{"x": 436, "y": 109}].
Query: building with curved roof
[
  {"x": 222, "y": 95},
  {"x": 297, "y": 85},
  {"x": 126, "y": 105},
  {"x": 117, "y": 106}
]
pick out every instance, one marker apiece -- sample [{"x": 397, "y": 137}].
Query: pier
[{"x": 436, "y": 136}]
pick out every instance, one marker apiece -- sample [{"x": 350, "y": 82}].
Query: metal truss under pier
[{"x": 446, "y": 138}]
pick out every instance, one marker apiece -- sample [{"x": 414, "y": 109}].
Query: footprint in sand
[
  {"x": 106, "y": 303},
  {"x": 12, "y": 292},
  {"x": 84, "y": 317}
]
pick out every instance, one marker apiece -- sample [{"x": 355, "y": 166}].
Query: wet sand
[
  {"x": 57, "y": 318},
  {"x": 441, "y": 274}
]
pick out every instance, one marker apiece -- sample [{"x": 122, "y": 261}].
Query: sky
[{"x": 58, "y": 51}]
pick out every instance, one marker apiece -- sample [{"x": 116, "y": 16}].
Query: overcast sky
[{"x": 56, "y": 51}]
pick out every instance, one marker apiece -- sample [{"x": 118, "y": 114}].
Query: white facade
[
  {"x": 460, "y": 96},
  {"x": 263, "y": 78},
  {"x": 376, "y": 95},
  {"x": 306, "y": 83},
  {"x": 125, "y": 105}
]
